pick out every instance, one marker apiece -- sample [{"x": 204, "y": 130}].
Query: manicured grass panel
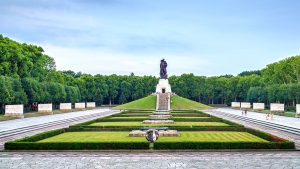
[
  {"x": 220, "y": 145},
  {"x": 111, "y": 124},
  {"x": 213, "y": 136},
  {"x": 179, "y": 128},
  {"x": 178, "y": 103},
  {"x": 198, "y": 119},
  {"x": 146, "y": 103}
]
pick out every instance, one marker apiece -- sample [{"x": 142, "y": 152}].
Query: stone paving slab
[{"x": 98, "y": 160}]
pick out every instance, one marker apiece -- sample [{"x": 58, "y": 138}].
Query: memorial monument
[{"x": 163, "y": 89}]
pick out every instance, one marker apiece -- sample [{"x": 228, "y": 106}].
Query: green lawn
[
  {"x": 110, "y": 124},
  {"x": 213, "y": 136},
  {"x": 146, "y": 103},
  {"x": 94, "y": 137},
  {"x": 199, "y": 136},
  {"x": 178, "y": 102}
]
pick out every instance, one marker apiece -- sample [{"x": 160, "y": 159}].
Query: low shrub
[{"x": 75, "y": 145}]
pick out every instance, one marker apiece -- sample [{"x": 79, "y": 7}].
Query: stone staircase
[{"x": 163, "y": 101}]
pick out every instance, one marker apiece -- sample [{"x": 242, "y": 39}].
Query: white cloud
[{"x": 102, "y": 61}]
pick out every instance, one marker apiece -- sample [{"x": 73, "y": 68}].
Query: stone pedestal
[{"x": 163, "y": 86}]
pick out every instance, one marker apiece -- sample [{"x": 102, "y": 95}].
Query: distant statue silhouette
[{"x": 163, "y": 69}]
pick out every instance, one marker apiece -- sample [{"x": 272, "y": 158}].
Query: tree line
[{"x": 27, "y": 76}]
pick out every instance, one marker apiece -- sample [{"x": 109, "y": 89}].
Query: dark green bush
[{"x": 75, "y": 145}]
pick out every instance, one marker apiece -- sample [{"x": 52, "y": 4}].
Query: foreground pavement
[{"x": 157, "y": 160}]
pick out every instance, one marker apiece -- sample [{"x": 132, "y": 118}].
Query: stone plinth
[
  {"x": 235, "y": 104},
  {"x": 45, "y": 108},
  {"x": 65, "y": 106},
  {"x": 298, "y": 109},
  {"x": 158, "y": 122},
  {"x": 14, "y": 111},
  {"x": 258, "y": 106},
  {"x": 90, "y": 104},
  {"x": 163, "y": 86},
  {"x": 160, "y": 116},
  {"x": 142, "y": 133},
  {"x": 277, "y": 107},
  {"x": 245, "y": 105},
  {"x": 80, "y": 105}
]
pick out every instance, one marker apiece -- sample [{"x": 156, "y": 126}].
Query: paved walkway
[
  {"x": 191, "y": 160},
  {"x": 25, "y": 122},
  {"x": 286, "y": 121}
]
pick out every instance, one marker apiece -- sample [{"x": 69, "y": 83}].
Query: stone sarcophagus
[
  {"x": 80, "y": 105},
  {"x": 235, "y": 104},
  {"x": 65, "y": 106},
  {"x": 90, "y": 104},
  {"x": 258, "y": 106},
  {"x": 14, "y": 110},
  {"x": 45, "y": 108},
  {"x": 278, "y": 107},
  {"x": 245, "y": 105}
]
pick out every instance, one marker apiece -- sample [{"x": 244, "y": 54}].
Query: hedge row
[
  {"x": 76, "y": 145},
  {"x": 225, "y": 145}
]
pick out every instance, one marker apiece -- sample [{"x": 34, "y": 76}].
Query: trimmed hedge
[
  {"x": 75, "y": 145},
  {"x": 225, "y": 145}
]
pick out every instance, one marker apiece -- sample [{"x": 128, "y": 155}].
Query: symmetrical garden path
[
  {"x": 172, "y": 160},
  {"x": 19, "y": 128},
  {"x": 258, "y": 121}
]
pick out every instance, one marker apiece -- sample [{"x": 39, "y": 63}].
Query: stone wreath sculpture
[{"x": 152, "y": 135}]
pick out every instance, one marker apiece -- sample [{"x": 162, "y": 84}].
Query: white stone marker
[
  {"x": 258, "y": 106},
  {"x": 277, "y": 107},
  {"x": 235, "y": 104},
  {"x": 90, "y": 104},
  {"x": 80, "y": 105},
  {"x": 298, "y": 109},
  {"x": 45, "y": 108},
  {"x": 65, "y": 106},
  {"x": 245, "y": 105},
  {"x": 14, "y": 110}
]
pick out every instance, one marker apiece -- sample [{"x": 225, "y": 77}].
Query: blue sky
[{"x": 212, "y": 37}]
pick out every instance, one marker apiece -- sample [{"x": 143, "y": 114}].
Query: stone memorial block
[
  {"x": 45, "y": 108},
  {"x": 80, "y": 105},
  {"x": 235, "y": 104},
  {"x": 277, "y": 107},
  {"x": 65, "y": 106},
  {"x": 90, "y": 104},
  {"x": 298, "y": 108},
  {"x": 258, "y": 106},
  {"x": 245, "y": 105},
  {"x": 14, "y": 110}
]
